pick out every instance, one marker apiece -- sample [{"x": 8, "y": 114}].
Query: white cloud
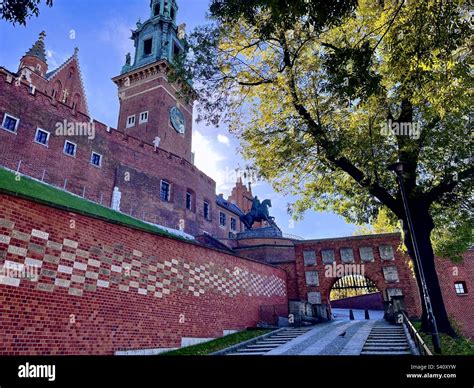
[
  {"x": 223, "y": 139},
  {"x": 209, "y": 160},
  {"x": 55, "y": 60}
]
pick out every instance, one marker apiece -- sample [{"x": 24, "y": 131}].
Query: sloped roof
[
  {"x": 38, "y": 49},
  {"x": 74, "y": 58},
  {"x": 228, "y": 205}
]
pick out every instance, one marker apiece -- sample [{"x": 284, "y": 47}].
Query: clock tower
[{"x": 151, "y": 107}]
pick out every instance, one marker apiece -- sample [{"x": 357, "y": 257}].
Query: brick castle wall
[
  {"x": 460, "y": 307},
  {"x": 134, "y": 166},
  {"x": 406, "y": 283},
  {"x": 104, "y": 287}
]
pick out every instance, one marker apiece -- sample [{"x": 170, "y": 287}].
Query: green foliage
[
  {"x": 459, "y": 346},
  {"x": 282, "y": 12},
  {"x": 453, "y": 235},
  {"x": 19, "y": 11},
  {"x": 218, "y": 344},
  {"x": 383, "y": 223},
  {"x": 310, "y": 100}
]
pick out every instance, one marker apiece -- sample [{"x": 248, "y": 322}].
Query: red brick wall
[
  {"x": 105, "y": 287},
  {"x": 121, "y": 154},
  {"x": 150, "y": 91},
  {"x": 372, "y": 270},
  {"x": 291, "y": 280},
  {"x": 459, "y": 307}
]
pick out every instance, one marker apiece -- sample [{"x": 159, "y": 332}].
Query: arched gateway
[
  {"x": 355, "y": 291},
  {"x": 373, "y": 263}
]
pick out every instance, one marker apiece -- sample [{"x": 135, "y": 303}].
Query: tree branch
[
  {"x": 447, "y": 185},
  {"x": 330, "y": 149}
]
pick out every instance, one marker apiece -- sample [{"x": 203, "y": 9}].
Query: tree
[
  {"x": 325, "y": 95},
  {"x": 19, "y": 11},
  {"x": 385, "y": 222}
]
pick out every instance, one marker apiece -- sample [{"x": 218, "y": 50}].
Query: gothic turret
[
  {"x": 151, "y": 108},
  {"x": 35, "y": 58},
  {"x": 158, "y": 37}
]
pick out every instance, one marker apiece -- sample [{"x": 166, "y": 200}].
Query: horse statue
[{"x": 258, "y": 213}]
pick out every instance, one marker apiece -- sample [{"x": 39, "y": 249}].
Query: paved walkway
[{"x": 338, "y": 337}]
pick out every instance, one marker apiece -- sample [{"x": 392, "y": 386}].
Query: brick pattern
[
  {"x": 115, "y": 280},
  {"x": 382, "y": 263},
  {"x": 69, "y": 267}
]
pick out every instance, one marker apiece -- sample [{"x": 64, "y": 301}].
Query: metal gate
[{"x": 352, "y": 285}]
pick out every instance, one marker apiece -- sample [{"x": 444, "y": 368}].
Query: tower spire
[
  {"x": 38, "y": 50},
  {"x": 157, "y": 38},
  {"x": 35, "y": 57}
]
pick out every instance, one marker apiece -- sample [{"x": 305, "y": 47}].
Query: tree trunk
[{"x": 423, "y": 225}]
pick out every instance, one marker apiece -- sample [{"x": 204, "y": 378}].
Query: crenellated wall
[{"x": 135, "y": 167}]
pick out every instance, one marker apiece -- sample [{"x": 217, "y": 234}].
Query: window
[
  {"x": 69, "y": 148},
  {"x": 147, "y": 46},
  {"x": 233, "y": 224},
  {"x": 130, "y": 121},
  {"x": 96, "y": 159},
  {"x": 207, "y": 214},
  {"x": 189, "y": 200},
  {"x": 157, "y": 10},
  {"x": 76, "y": 100},
  {"x": 222, "y": 219},
  {"x": 176, "y": 50},
  {"x": 10, "y": 123},
  {"x": 57, "y": 89},
  {"x": 143, "y": 117},
  {"x": 42, "y": 137},
  {"x": 165, "y": 191},
  {"x": 460, "y": 288},
  {"x": 172, "y": 14}
]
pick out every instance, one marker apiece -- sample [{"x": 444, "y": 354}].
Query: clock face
[{"x": 177, "y": 120}]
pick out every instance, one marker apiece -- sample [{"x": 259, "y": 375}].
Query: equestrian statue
[{"x": 258, "y": 213}]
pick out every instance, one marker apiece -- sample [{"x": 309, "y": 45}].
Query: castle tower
[
  {"x": 151, "y": 108},
  {"x": 241, "y": 196},
  {"x": 35, "y": 58}
]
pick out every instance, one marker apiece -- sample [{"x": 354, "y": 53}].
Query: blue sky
[{"x": 101, "y": 30}]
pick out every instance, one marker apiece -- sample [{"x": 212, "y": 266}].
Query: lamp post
[{"x": 398, "y": 168}]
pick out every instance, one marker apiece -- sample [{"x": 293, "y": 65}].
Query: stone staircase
[
  {"x": 270, "y": 342},
  {"x": 386, "y": 339}
]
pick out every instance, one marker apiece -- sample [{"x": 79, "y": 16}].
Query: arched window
[
  {"x": 72, "y": 72},
  {"x": 56, "y": 89},
  {"x": 76, "y": 100}
]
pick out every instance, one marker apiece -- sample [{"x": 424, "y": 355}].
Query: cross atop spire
[{"x": 38, "y": 49}]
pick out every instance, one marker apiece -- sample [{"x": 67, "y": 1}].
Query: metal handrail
[{"x": 420, "y": 344}]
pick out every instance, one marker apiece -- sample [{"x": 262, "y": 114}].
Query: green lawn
[
  {"x": 31, "y": 189},
  {"x": 217, "y": 344},
  {"x": 460, "y": 346}
]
